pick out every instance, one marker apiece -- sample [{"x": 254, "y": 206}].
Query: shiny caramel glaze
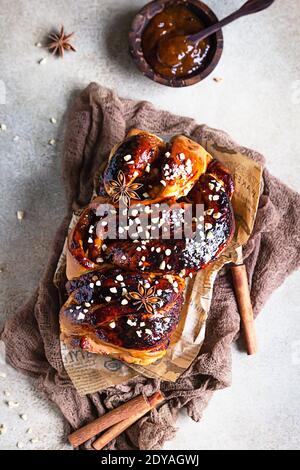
[
  {"x": 181, "y": 175},
  {"x": 187, "y": 255},
  {"x": 108, "y": 305},
  {"x": 186, "y": 169},
  {"x": 173, "y": 22},
  {"x": 84, "y": 242},
  {"x": 181, "y": 166},
  {"x": 129, "y": 160}
]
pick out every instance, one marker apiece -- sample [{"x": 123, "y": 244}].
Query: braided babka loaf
[{"x": 162, "y": 213}]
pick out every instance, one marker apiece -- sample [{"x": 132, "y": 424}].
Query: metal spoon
[{"x": 172, "y": 50}]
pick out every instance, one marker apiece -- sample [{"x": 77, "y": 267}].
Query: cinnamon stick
[
  {"x": 118, "y": 428},
  {"x": 241, "y": 288},
  {"x": 133, "y": 407}
]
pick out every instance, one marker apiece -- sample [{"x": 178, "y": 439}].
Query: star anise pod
[
  {"x": 144, "y": 298},
  {"x": 122, "y": 191},
  {"x": 60, "y": 42}
]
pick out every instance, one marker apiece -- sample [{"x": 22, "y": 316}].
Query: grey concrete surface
[{"x": 258, "y": 103}]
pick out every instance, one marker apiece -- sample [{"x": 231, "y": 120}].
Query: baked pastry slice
[{"x": 127, "y": 315}]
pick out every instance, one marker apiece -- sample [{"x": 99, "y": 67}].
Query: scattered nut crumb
[
  {"x": 53, "y": 120},
  {"x": 42, "y": 61},
  {"x": 12, "y": 404},
  {"x": 34, "y": 440},
  {"x": 2, "y": 375},
  {"x": 52, "y": 142},
  {"x": 6, "y": 393},
  {"x": 38, "y": 44},
  {"x": 20, "y": 215},
  {"x": 24, "y": 417},
  {"x": 29, "y": 431},
  {"x": 2, "y": 429},
  {"x": 16, "y": 138},
  {"x": 3, "y": 127},
  {"x": 20, "y": 445},
  {"x": 218, "y": 79}
]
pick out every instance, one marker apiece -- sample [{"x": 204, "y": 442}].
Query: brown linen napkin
[{"x": 97, "y": 120}]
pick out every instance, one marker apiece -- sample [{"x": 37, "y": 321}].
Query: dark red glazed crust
[
  {"x": 113, "y": 312},
  {"x": 126, "y": 294}
]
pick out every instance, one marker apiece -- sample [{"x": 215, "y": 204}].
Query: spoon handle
[{"x": 251, "y": 6}]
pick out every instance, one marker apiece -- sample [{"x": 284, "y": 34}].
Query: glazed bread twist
[{"x": 127, "y": 256}]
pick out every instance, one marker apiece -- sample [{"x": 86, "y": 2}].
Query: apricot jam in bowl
[{"x": 170, "y": 19}]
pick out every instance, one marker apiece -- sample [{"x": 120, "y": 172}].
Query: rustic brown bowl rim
[{"x": 139, "y": 23}]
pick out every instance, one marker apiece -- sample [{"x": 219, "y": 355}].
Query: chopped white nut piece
[
  {"x": 112, "y": 325},
  {"x": 168, "y": 252},
  {"x": 16, "y": 138},
  {"x": 12, "y": 404},
  {"x": 38, "y": 44},
  {"x": 6, "y": 393},
  {"x": 24, "y": 417},
  {"x": 124, "y": 302},
  {"x": 163, "y": 183},
  {"x": 208, "y": 226},
  {"x": 29, "y": 431},
  {"x": 167, "y": 154},
  {"x": 81, "y": 316},
  {"x": 216, "y": 198},
  {"x": 20, "y": 215},
  {"x": 52, "y": 142},
  {"x": 91, "y": 286},
  {"x": 42, "y": 61},
  {"x": 53, "y": 120},
  {"x": 217, "y": 215},
  {"x": 3, "y": 127},
  {"x": 2, "y": 429},
  {"x": 139, "y": 333},
  {"x": 90, "y": 240},
  {"x": 113, "y": 290},
  {"x": 127, "y": 158},
  {"x": 98, "y": 283},
  {"x": 148, "y": 332},
  {"x": 2, "y": 375},
  {"x": 108, "y": 299},
  {"x": 120, "y": 277},
  {"x": 162, "y": 265},
  {"x": 34, "y": 440},
  {"x": 20, "y": 445}
]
